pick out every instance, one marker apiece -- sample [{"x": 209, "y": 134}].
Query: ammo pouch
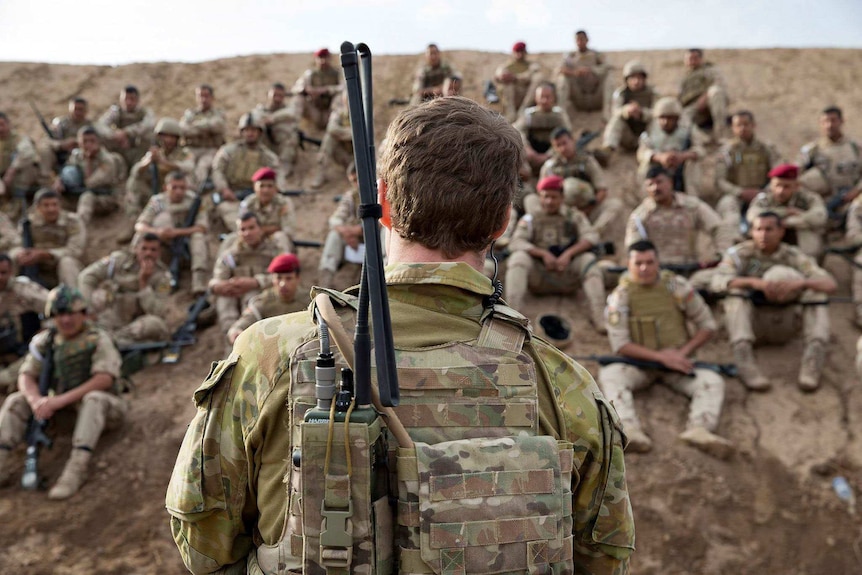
[{"x": 495, "y": 505}]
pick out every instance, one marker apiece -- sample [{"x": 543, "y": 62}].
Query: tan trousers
[
  {"x": 516, "y": 97},
  {"x": 585, "y": 94},
  {"x": 98, "y": 204},
  {"x": 618, "y": 134},
  {"x": 203, "y": 162},
  {"x": 230, "y": 308},
  {"x": 717, "y": 101},
  {"x": 523, "y": 273}
]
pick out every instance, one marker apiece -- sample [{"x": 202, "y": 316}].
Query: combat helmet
[
  {"x": 64, "y": 299},
  {"x": 72, "y": 178},
  {"x": 633, "y": 67},
  {"x": 578, "y": 193},
  {"x": 555, "y": 328},
  {"x": 667, "y": 106},
  {"x": 168, "y": 126},
  {"x": 249, "y": 120}
]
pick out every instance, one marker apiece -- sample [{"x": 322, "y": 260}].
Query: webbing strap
[
  {"x": 336, "y": 528},
  {"x": 499, "y": 334}
]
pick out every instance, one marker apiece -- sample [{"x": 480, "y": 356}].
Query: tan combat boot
[
  {"x": 73, "y": 477},
  {"x": 749, "y": 374},
  {"x": 5, "y": 468},
  {"x": 812, "y": 366},
  {"x": 708, "y": 442},
  {"x": 319, "y": 178},
  {"x": 639, "y": 442}
]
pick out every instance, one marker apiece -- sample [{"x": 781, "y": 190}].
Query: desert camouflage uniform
[
  {"x": 682, "y": 139},
  {"x": 426, "y": 77},
  {"x": 316, "y": 108},
  {"x": 589, "y": 93},
  {"x": 705, "y": 79},
  {"x": 772, "y": 324},
  {"x": 102, "y": 180},
  {"x": 241, "y": 260},
  {"x": 138, "y": 125},
  {"x": 233, "y": 167},
  {"x": 517, "y": 93},
  {"x": 240, "y": 430},
  {"x": 536, "y": 126},
  {"x": 160, "y": 212},
  {"x": 854, "y": 238},
  {"x": 741, "y": 165},
  {"x": 281, "y": 136},
  {"x": 265, "y": 304},
  {"x": 582, "y": 167},
  {"x": 830, "y": 167},
  {"x": 674, "y": 231},
  {"x": 139, "y": 187},
  {"x": 279, "y": 212},
  {"x": 9, "y": 235},
  {"x": 622, "y": 131},
  {"x": 18, "y": 152},
  {"x": 129, "y": 313},
  {"x": 63, "y": 128},
  {"x": 66, "y": 239},
  {"x": 203, "y": 135},
  {"x": 346, "y": 214},
  {"x": 337, "y": 143},
  {"x": 20, "y": 295},
  {"x": 656, "y": 316},
  {"x": 524, "y": 272},
  {"x": 809, "y": 226}
]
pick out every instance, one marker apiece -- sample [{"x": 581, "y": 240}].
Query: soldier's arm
[
  {"x": 107, "y": 121},
  {"x": 757, "y": 206},
  {"x": 152, "y": 298},
  {"x": 567, "y": 122},
  {"x": 25, "y": 153},
  {"x": 343, "y": 212},
  {"x": 104, "y": 176},
  {"x": 287, "y": 222},
  {"x": 710, "y": 222},
  {"x": 188, "y": 125},
  {"x": 220, "y": 162},
  {"x": 722, "y": 165},
  {"x": 816, "y": 278},
  {"x": 617, "y": 101},
  {"x": 814, "y": 218},
  {"x": 696, "y": 312},
  {"x": 522, "y": 239},
  {"x": 9, "y": 236},
  {"x": 215, "y": 123},
  {"x": 596, "y": 174},
  {"x": 854, "y": 223},
  {"x": 184, "y": 162},
  {"x": 249, "y": 315},
  {"x": 94, "y": 274},
  {"x": 76, "y": 244},
  {"x": 143, "y": 128},
  {"x": 634, "y": 232},
  {"x": 301, "y": 83},
  {"x": 645, "y": 149}
]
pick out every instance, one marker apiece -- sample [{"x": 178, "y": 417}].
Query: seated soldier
[
  {"x": 86, "y": 365},
  {"x": 650, "y": 317},
  {"x": 519, "y": 78},
  {"x": 127, "y": 292},
  {"x": 337, "y": 143},
  {"x": 203, "y": 130},
  {"x": 92, "y": 176},
  {"x": 19, "y": 167},
  {"x": 551, "y": 254},
  {"x": 769, "y": 284},
  {"x": 235, "y": 164},
  {"x": 568, "y": 162},
  {"x": 240, "y": 270},
  {"x": 452, "y": 85},
  {"x": 703, "y": 95},
  {"x": 673, "y": 145},
  {"x": 345, "y": 233},
  {"x": 126, "y": 127},
  {"x": 59, "y": 241},
  {"x": 146, "y": 177},
  {"x": 281, "y": 132},
  {"x": 854, "y": 238},
  {"x": 429, "y": 77},
  {"x": 276, "y": 213},
  {"x": 802, "y": 212},
  {"x": 606, "y": 215},
  {"x": 631, "y": 109},
  {"x": 672, "y": 220},
  {"x": 166, "y": 216},
  {"x": 54, "y": 152},
  {"x": 538, "y": 123},
  {"x": 280, "y": 298},
  {"x": 583, "y": 76},
  {"x": 314, "y": 91},
  {"x": 21, "y": 302},
  {"x": 9, "y": 235}
]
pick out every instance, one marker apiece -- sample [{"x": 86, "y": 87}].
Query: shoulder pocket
[{"x": 196, "y": 488}]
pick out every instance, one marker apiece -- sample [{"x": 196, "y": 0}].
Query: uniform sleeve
[
  {"x": 220, "y": 162},
  {"x": 25, "y": 153},
  {"x": 9, "y": 236},
  {"x": 727, "y": 270},
  {"x": 343, "y": 211},
  {"x": 854, "y": 222},
  {"x": 184, "y": 161},
  {"x": 586, "y": 231},
  {"x": 143, "y": 128},
  {"x": 249, "y": 315},
  {"x": 106, "y": 358},
  {"x": 222, "y": 271},
  {"x": 32, "y": 365},
  {"x": 808, "y": 266},
  {"x": 645, "y": 148},
  {"x": 635, "y": 230},
  {"x": 617, "y": 319},
  {"x": 302, "y": 82},
  {"x": 696, "y": 310},
  {"x": 287, "y": 216},
  {"x": 104, "y": 176},
  {"x": 710, "y": 222},
  {"x": 758, "y": 205},
  {"x": 814, "y": 218},
  {"x": 152, "y": 298},
  {"x": 107, "y": 121},
  {"x": 596, "y": 173},
  {"x": 522, "y": 239},
  {"x": 76, "y": 243},
  {"x": 721, "y": 169},
  {"x": 92, "y": 276},
  {"x": 150, "y": 211},
  {"x": 617, "y": 101}
]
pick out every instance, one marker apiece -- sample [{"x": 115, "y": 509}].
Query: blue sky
[{"x": 123, "y": 31}]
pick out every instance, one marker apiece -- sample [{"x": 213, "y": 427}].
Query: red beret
[
  {"x": 550, "y": 183},
  {"x": 322, "y": 53},
  {"x": 283, "y": 264},
  {"x": 263, "y": 174},
  {"x": 519, "y": 47},
  {"x": 784, "y": 171}
]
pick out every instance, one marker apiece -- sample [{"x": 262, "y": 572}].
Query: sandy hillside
[{"x": 768, "y": 510}]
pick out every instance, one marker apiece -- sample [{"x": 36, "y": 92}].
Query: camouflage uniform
[
  {"x": 741, "y": 165},
  {"x": 622, "y": 131},
  {"x": 830, "y": 167},
  {"x": 316, "y": 108},
  {"x": 66, "y": 239},
  {"x": 281, "y": 136},
  {"x": 673, "y": 231},
  {"x": 346, "y": 214},
  {"x": 583, "y": 167},
  {"x": 203, "y": 135},
  {"x": 657, "y": 316},
  {"x": 241, "y": 260},
  {"x": 543, "y": 231},
  {"x": 265, "y": 304},
  {"x": 9, "y": 235},
  {"x": 536, "y": 126},
  {"x": 129, "y": 313},
  {"x": 140, "y": 186},
  {"x": 102, "y": 180},
  {"x": 682, "y": 139},
  {"x": 426, "y": 77},
  {"x": 280, "y": 212},
  {"x": 436, "y": 309},
  {"x": 517, "y": 93},
  {"x": 138, "y": 125},
  {"x": 588, "y": 93},
  {"x": 337, "y": 143},
  {"x": 706, "y": 79},
  {"x": 20, "y": 295},
  {"x": 854, "y": 238},
  {"x": 63, "y": 128},
  {"x": 809, "y": 226},
  {"x": 160, "y": 212},
  {"x": 18, "y": 152},
  {"x": 233, "y": 167}
]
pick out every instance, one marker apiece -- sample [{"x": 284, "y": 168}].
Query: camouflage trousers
[
  {"x": 139, "y": 190},
  {"x": 516, "y": 97},
  {"x": 147, "y": 327},
  {"x": 230, "y": 308},
  {"x": 589, "y": 94},
  {"x": 692, "y": 176},
  {"x": 335, "y": 151},
  {"x": 97, "y": 411},
  {"x": 198, "y": 250},
  {"x": 717, "y": 103},
  {"x": 705, "y": 389},
  {"x": 9, "y": 376},
  {"x": 619, "y": 133},
  {"x": 203, "y": 158},
  {"x": 65, "y": 271},
  {"x": 26, "y": 178},
  {"x": 99, "y": 204},
  {"x": 304, "y": 107}
]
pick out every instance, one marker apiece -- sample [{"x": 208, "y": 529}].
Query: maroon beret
[
  {"x": 784, "y": 171},
  {"x": 263, "y": 174},
  {"x": 519, "y": 47},
  {"x": 283, "y": 264},
  {"x": 322, "y": 53},
  {"x": 550, "y": 183}
]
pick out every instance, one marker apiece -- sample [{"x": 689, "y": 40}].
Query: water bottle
[{"x": 845, "y": 493}]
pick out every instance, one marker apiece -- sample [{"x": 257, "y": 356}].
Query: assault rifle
[
  {"x": 490, "y": 92},
  {"x": 293, "y": 193},
  {"x": 725, "y": 369},
  {"x": 133, "y": 354},
  {"x": 303, "y": 139},
  {"x": 31, "y": 271},
  {"x": 62, "y": 155},
  {"x": 180, "y": 245},
  {"x": 36, "y": 435},
  {"x": 833, "y": 205},
  {"x": 155, "y": 186},
  {"x": 681, "y": 269},
  {"x": 846, "y": 252},
  {"x": 307, "y": 244},
  {"x": 185, "y": 334},
  {"x": 585, "y": 138}
]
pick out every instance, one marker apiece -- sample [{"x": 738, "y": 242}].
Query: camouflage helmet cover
[
  {"x": 578, "y": 193},
  {"x": 64, "y": 299},
  {"x": 668, "y": 106},
  {"x": 249, "y": 120},
  {"x": 633, "y": 67},
  {"x": 168, "y": 126}
]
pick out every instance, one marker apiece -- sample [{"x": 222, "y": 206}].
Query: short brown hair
[{"x": 451, "y": 171}]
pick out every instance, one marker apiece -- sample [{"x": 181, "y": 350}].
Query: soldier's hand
[
  {"x": 549, "y": 260},
  {"x": 783, "y": 291},
  {"x": 8, "y": 177},
  {"x": 58, "y": 186},
  {"x": 228, "y": 195},
  {"x": 748, "y": 194},
  {"x": 155, "y": 154},
  {"x": 166, "y": 234},
  {"x": 676, "y": 360},
  {"x": 121, "y": 139},
  {"x": 45, "y": 408},
  {"x": 28, "y": 257},
  {"x": 148, "y": 267},
  {"x": 703, "y": 102},
  {"x": 69, "y": 144},
  {"x": 563, "y": 262},
  {"x": 633, "y": 110}
]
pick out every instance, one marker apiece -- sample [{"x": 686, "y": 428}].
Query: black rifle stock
[
  {"x": 681, "y": 269},
  {"x": 62, "y": 155},
  {"x": 833, "y": 205},
  {"x": 180, "y": 245},
  {"x": 307, "y": 244},
  {"x": 36, "y": 435},
  {"x": 305, "y": 139},
  {"x": 185, "y": 334},
  {"x": 31, "y": 271},
  {"x": 725, "y": 369}
]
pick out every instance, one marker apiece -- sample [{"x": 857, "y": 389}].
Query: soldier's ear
[
  {"x": 385, "y": 219},
  {"x": 505, "y": 224}
]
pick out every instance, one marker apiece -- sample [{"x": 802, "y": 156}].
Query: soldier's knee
[{"x": 520, "y": 260}]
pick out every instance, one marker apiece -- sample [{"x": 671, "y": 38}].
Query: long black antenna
[{"x": 372, "y": 288}]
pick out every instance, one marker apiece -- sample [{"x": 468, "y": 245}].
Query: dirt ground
[{"x": 768, "y": 510}]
